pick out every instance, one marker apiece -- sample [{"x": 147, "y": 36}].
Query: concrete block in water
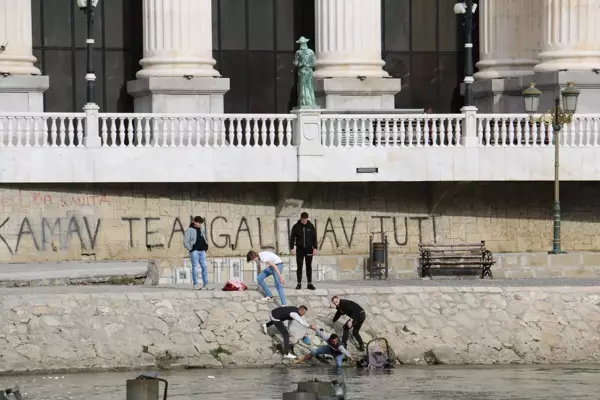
[
  {"x": 142, "y": 389},
  {"x": 300, "y": 396}
]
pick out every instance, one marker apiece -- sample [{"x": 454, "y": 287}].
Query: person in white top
[{"x": 275, "y": 268}]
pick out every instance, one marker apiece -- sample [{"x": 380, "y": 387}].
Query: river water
[{"x": 573, "y": 382}]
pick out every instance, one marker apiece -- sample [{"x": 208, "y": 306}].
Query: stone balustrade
[{"x": 306, "y": 146}]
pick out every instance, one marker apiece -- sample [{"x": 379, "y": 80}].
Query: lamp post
[
  {"x": 87, "y": 6},
  {"x": 467, "y": 8},
  {"x": 559, "y": 116}
]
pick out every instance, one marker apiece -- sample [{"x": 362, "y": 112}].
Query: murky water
[{"x": 405, "y": 382}]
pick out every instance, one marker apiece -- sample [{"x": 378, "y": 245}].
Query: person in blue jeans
[
  {"x": 333, "y": 348},
  {"x": 194, "y": 240},
  {"x": 275, "y": 268}
]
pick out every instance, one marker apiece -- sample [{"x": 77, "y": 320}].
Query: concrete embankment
[{"x": 78, "y": 328}]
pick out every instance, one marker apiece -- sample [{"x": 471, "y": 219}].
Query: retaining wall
[
  {"x": 143, "y": 327},
  {"x": 139, "y": 221}
]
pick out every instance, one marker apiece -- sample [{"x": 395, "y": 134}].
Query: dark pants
[
  {"x": 301, "y": 255},
  {"x": 356, "y": 325},
  {"x": 284, "y": 332}
]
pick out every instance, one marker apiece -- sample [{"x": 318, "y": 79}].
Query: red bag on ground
[{"x": 234, "y": 285}]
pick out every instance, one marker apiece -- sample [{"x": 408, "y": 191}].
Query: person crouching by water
[
  {"x": 275, "y": 268},
  {"x": 280, "y": 314},
  {"x": 333, "y": 348},
  {"x": 356, "y": 315},
  {"x": 194, "y": 241}
]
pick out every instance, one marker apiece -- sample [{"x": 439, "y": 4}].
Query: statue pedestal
[
  {"x": 357, "y": 94},
  {"x": 307, "y": 139}
]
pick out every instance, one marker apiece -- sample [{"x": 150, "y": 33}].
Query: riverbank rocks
[{"x": 146, "y": 327}]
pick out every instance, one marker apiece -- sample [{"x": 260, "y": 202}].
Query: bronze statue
[{"x": 305, "y": 62}]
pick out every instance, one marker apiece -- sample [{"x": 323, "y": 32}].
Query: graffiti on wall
[{"x": 59, "y": 234}]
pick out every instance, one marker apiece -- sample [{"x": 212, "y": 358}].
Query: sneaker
[
  {"x": 197, "y": 287},
  {"x": 265, "y": 329},
  {"x": 267, "y": 299},
  {"x": 311, "y": 287},
  {"x": 290, "y": 356},
  {"x": 207, "y": 288},
  {"x": 299, "y": 286}
]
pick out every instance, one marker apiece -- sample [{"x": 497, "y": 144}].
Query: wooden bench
[{"x": 433, "y": 255}]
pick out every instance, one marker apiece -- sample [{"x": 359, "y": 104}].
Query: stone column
[
  {"x": 349, "y": 69},
  {"x": 509, "y": 33},
  {"x": 21, "y": 87},
  {"x": 178, "y": 73},
  {"x": 571, "y": 37}
]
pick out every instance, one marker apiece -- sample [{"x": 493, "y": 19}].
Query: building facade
[
  {"x": 205, "y": 79},
  {"x": 253, "y": 44}
]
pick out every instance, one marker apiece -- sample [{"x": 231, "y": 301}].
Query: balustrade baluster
[
  {"x": 511, "y": 131},
  {"x": 36, "y": 132},
  {"x": 288, "y": 132},
  {"x": 53, "y": 132},
  {"x": 263, "y": 131},
  {"x": 138, "y": 133},
  {"x": 280, "y": 134},
  {"x": 458, "y": 134},
  {"x": 27, "y": 136},
  {"x": 71, "y": 132},
  {"x": 147, "y": 132},
  {"x": 79, "y": 132},
  {"x": 395, "y": 132},
  {"x": 190, "y": 125},
  {"x": 155, "y": 132},
  {"x": 519, "y": 133},
  {"x": 325, "y": 132},
  {"x": 247, "y": 129},
  {"x": 377, "y": 132},
  {"x": 130, "y": 130},
  {"x": 204, "y": 133},
  {"x": 422, "y": 131},
  {"x": 271, "y": 131}
]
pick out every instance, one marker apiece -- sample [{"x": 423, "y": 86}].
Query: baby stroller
[{"x": 378, "y": 355}]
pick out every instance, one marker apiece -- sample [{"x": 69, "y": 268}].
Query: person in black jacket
[
  {"x": 303, "y": 243},
  {"x": 287, "y": 313},
  {"x": 356, "y": 315}
]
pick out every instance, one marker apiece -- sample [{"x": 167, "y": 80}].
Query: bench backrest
[{"x": 452, "y": 248}]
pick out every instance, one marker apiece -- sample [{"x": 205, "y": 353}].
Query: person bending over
[
  {"x": 275, "y": 268},
  {"x": 278, "y": 316},
  {"x": 333, "y": 347},
  {"x": 356, "y": 315}
]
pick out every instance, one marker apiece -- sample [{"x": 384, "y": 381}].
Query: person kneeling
[{"x": 333, "y": 348}]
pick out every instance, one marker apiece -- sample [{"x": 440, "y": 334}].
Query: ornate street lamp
[
  {"x": 468, "y": 9},
  {"x": 87, "y": 6},
  {"x": 558, "y": 117}
]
